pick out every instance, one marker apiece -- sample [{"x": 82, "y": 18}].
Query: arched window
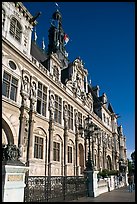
[{"x": 15, "y": 29}]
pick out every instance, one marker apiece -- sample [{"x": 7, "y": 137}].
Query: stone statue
[
  {"x": 10, "y": 152},
  {"x": 25, "y": 84},
  {"x": 33, "y": 89}
]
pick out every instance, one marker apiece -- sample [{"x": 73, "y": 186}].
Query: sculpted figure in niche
[
  {"x": 33, "y": 89},
  {"x": 66, "y": 115},
  {"x": 26, "y": 84},
  {"x": 51, "y": 106}
]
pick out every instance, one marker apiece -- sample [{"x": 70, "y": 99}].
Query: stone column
[
  {"x": 30, "y": 131},
  {"x": 33, "y": 100},
  {"x": 51, "y": 130},
  {"x": 76, "y": 141},
  {"x": 65, "y": 117},
  {"x": 93, "y": 148},
  {"x": 23, "y": 128},
  {"x": 24, "y": 116}
]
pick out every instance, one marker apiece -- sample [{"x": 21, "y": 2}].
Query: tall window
[
  {"x": 70, "y": 117},
  {"x": 15, "y": 29},
  {"x": 58, "y": 109},
  {"x": 38, "y": 148},
  {"x": 10, "y": 86},
  {"x": 42, "y": 99},
  {"x": 56, "y": 151},
  {"x": 56, "y": 73},
  {"x": 80, "y": 118},
  {"x": 69, "y": 154}
]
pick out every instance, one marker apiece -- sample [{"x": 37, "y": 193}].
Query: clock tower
[{"x": 57, "y": 39}]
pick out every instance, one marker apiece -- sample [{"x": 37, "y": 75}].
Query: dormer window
[
  {"x": 56, "y": 73},
  {"x": 15, "y": 29}
]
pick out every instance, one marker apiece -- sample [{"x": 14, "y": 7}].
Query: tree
[
  {"x": 129, "y": 166},
  {"x": 133, "y": 161},
  {"x": 133, "y": 157}
]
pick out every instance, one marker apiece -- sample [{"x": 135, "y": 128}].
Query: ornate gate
[{"x": 54, "y": 188}]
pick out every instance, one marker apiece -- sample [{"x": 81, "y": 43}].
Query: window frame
[
  {"x": 38, "y": 147},
  {"x": 58, "y": 109},
  {"x": 56, "y": 151},
  {"x": 10, "y": 86},
  {"x": 70, "y": 153},
  {"x": 15, "y": 29},
  {"x": 70, "y": 117},
  {"x": 41, "y": 106}
]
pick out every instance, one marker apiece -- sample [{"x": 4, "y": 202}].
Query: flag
[{"x": 66, "y": 39}]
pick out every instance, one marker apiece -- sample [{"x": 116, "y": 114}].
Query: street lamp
[{"x": 88, "y": 129}]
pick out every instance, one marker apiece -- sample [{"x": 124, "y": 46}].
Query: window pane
[
  {"x": 38, "y": 148},
  {"x": 39, "y": 106},
  {"x": 56, "y": 151},
  {"x": 6, "y": 76},
  {"x": 13, "y": 93},
  {"x": 5, "y": 89},
  {"x": 44, "y": 109}
]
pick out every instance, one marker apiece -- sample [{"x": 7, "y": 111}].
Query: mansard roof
[
  {"x": 37, "y": 53},
  {"x": 110, "y": 108}
]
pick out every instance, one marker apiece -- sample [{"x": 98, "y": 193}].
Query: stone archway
[
  {"x": 109, "y": 163},
  {"x": 7, "y": 135},
  {"x": 81, "y": 158}
]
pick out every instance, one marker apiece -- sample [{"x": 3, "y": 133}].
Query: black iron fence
[{"x": 54, "y": 188}]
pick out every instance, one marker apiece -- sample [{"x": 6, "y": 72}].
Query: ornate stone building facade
[{"x": 46, "y": 98}]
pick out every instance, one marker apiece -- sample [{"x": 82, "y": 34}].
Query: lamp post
[{"x": 89, "y": 129}]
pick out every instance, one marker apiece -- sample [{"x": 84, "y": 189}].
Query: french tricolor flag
[{"x": 66, "y": 39}]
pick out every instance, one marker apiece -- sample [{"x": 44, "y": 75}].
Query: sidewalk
[{"x": 117, "y": 195}]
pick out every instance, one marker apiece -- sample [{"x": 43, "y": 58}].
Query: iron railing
[{"x": 54, "y": 188}]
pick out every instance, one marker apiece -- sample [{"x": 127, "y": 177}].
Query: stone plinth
[{"x": 13, "y": 183}]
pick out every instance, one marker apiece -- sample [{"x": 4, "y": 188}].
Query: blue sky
[{"x": 103, "y": 35}]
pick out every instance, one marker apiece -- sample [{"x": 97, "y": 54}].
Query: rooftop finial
[
  {"x": 90, "y": 81},
  {"x": 57, "y": 5},
  {"x": 35, "y": 35},
  {"x": 43, "y": 44}
]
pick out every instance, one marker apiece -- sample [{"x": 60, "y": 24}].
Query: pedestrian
[{"x": 130, "y": 182}]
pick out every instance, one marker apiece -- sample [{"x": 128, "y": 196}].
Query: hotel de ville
[{"x": 48, "y": 103}]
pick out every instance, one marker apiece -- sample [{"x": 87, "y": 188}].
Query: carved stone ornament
[
  {"x": 11, "y": 154},
  {"x": 65, "y": 114}
]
